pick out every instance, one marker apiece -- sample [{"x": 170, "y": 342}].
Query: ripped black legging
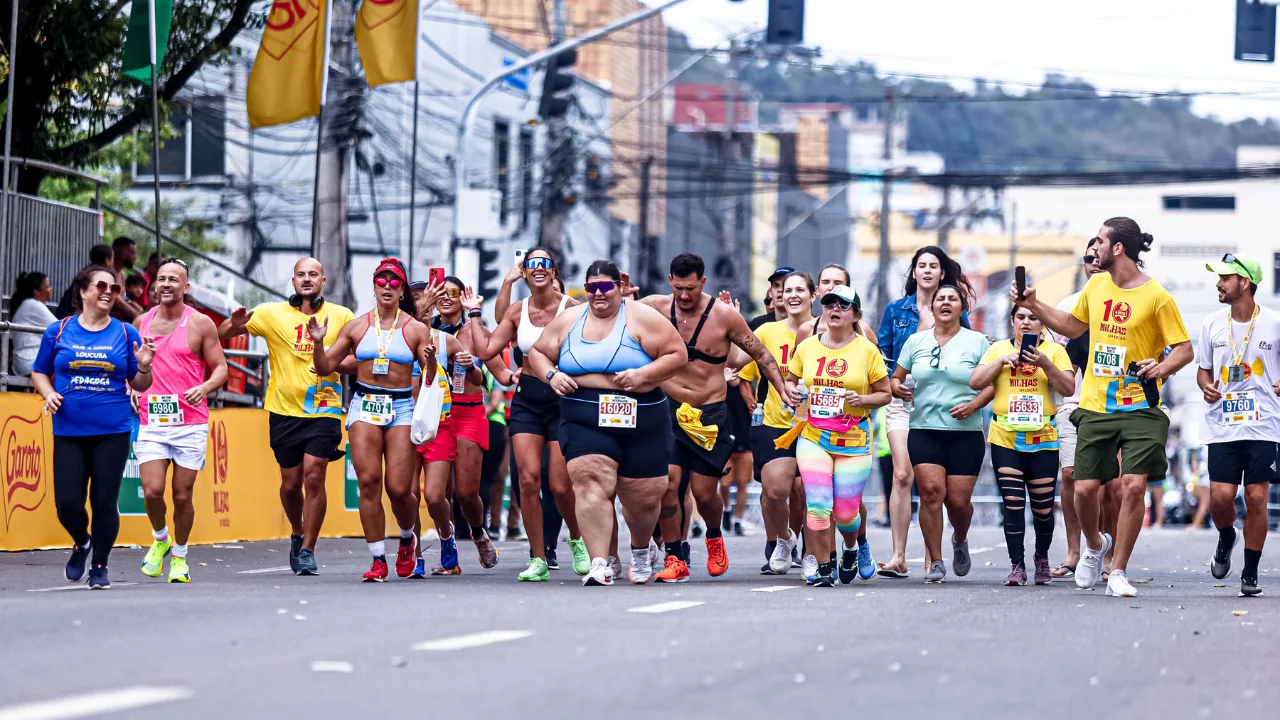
[{"x": 1017, "y": 475}]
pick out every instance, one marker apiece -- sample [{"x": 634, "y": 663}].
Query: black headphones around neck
[{"x": 316, "y": 303}]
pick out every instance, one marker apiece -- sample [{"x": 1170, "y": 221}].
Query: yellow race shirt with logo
[
  {"x": 293, "y": 388},
  {"x": 781, "y": 342},
  {"x": 1125, "y": 326},
  {"x": 1029, "y": 387},
  {"x": 854, "y": 367}
]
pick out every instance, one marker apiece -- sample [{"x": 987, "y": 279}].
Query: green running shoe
[
  {"x": 153, "y": 563},
  {"x": 536, "y": 572},
  {"x": 581, "y": 560},
  {"x": 178, "y": 570}
]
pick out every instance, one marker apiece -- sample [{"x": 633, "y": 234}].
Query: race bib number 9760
[{"x": 1240, "y": 407}]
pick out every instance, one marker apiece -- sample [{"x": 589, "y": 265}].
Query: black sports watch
[{"x": 551, "y": 373}]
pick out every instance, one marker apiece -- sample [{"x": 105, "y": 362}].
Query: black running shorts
[
  {"x": 292, "y": 437},
  {"x": 641, "y": 451},
  {"x": 1253, "y": 461},
  {"x": 690, "y": 456}
]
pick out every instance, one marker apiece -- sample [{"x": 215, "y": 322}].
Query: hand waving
[
  {"x": 470, "y": 300},
  {"x": 145, "y": 353},
  {"x": 316, "y": 330},
  {"x": 240, "y": 317}
]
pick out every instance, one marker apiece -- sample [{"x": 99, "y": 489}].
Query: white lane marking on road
[
  {"x": 64, "y": 588},
  {"x": 666, "y": 607},
  {"x": 258, "y": 571},
  {"x": 463, "y": 642},
  {"x": 974, "y": 551},
  {"x": 98, "y": 703},
  {"x": 228, "y": 547},
  {"x": 775, "y": 588},
  {"x": 332, "y": 666}
]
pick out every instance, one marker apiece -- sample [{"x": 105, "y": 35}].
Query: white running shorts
[
  {"x": 185, "y": 445},
  {"x": 896, "y": 416},
  {"x": 1067, "y": 435}
]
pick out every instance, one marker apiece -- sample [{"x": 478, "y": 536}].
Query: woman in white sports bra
[
  {"x": 386, "y": 341},
  {"x": 535, "y": 411}
]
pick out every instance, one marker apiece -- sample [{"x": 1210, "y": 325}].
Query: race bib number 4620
[{"x": 617, "y": 411}]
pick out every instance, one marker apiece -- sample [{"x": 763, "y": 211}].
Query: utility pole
[
  {"x": 648, "y": 274},
  {"x": 945, "y": 219},
  {"x": 1013, "y": 247},
  {"x": 886, "y": 188},
  {"x": 728, "y": 237},
  {"x": 331, "y": 243},
  {"x": 560, "y": 159}
]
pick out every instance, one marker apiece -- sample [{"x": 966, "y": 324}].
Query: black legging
[
  {"x": 1017, "y": 474},
  {"x": 75, "y": 461},
  {"x": 490, "y": 463}
]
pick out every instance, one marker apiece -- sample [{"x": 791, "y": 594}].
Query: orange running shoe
[
  {"x": 675, "y": 571},
  {"x": 717, "y": 558}
]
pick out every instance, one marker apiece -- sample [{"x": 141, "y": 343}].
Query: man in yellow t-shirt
[
  {"x": 1131, "y": 320},
  {"x": 305, "y": 410}
]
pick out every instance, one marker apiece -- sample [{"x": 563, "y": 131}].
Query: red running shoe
[
  {"x": 377, "y": 571},
  {"x": 717, "y": 558},
  {"x": 407, "y": 556},
  {"x": 676, "y": 571}
]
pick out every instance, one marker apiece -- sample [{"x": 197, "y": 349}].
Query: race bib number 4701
[{"x": 617, "y": 411}]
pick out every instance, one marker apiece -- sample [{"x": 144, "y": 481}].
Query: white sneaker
[
  {"x": 655, "y": 554},
  {"x": 780, "y": 561},
  {"x": 809, "y": 569},
  {"x": 1118, "y": 585},
  {"x": 599, "y": 574},
  {"x": 641, "y": 566},
  {"x": 1090, "y": 567},
  {"x": 615, "y": 566}
]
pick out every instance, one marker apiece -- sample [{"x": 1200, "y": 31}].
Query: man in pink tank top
[{"x": 175, "y": 414}]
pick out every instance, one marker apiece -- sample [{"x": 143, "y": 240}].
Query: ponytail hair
[{"x": 1127, "y": 233}]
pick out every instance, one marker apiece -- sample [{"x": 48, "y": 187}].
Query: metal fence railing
[{"x": 47, "y": 236}]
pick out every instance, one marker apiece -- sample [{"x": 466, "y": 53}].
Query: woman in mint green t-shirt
[{"x": 945, "y": 442}]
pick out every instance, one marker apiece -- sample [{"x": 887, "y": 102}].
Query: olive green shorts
[{"x": 1138, "y": 436}]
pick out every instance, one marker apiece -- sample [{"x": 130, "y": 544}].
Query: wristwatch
[{"x": 551, "y": 373}]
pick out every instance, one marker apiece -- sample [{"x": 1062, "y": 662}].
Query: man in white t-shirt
[
  {"x": 1239, "y": 360},
  {"x": 1067, "y": 431}
]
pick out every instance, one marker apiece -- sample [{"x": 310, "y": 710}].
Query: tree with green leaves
[{"x": 70, "y": 100}]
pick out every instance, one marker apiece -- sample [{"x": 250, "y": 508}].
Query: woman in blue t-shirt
[{"x": 86, "y": 364}]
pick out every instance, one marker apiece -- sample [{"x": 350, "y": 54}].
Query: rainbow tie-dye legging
[{"x": 833, "y": 485}]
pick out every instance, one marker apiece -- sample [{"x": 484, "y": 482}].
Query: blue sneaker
[
  {"x": 419, "y": 570},
  {"x": 98, "y": 578},
  {"x": 295, "y": 551},
  {"x": 866, "y": 563},
  {"x": 78, "y": 562},
  {"x": 307, "y": 563},
  {"x": 448, "y": 558}
]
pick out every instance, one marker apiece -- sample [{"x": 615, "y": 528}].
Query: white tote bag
[{"x": 426, "y": 412}]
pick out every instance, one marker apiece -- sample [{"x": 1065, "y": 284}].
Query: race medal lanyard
[
  {"x": 1236, "y": 370},
  {"x": 381, "y": 366}
]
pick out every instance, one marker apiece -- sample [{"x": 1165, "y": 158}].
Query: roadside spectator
[
  {"x": 28, "y": 306},
  {"x": 124, "y": 253},
  {"x": 135, "y": 289},
  {"x": 99, "y": 256}
]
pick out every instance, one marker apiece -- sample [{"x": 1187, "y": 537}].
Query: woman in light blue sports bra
[
  {"x": 606, "y": 360},
  {"x": 385, "y": 343}
]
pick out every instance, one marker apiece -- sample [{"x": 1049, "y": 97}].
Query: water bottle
[
  {"x": 802, "y": 410},
  {"x": 459, "y": 379},
  {"x": 909, "y": 384},
  {"x": 757, "y": 415}
]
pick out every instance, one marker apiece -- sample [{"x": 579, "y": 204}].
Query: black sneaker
[
  {"x": 552, "y": 562},
  {"x": 737, "y": 529},
  {"x": 1249, "y": 586},
  {"x": 307, "y": 563},
  {"x": 78, "y": 562},
  {"x": 848, "y": 566},
  {"x": 695, "y": 532},
  {"x": 827, "y": 575},
  {"x": 494, "y": 534},
  {"x": 295, "y": 549},
  {"x": 795, "y": 557},
  {"x": 726, "y": 522},
  {"x": 98, "y": 578},
  {"x": 1220, "y": 567},
  {"x": 515, "y": 534}
]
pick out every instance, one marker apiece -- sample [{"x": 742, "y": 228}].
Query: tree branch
[
  {"x": 110, "y": 14},
  {"x": 130, "y": 120}
]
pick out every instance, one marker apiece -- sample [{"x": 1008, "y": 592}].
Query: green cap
[{"x": 1241, "y": 265}]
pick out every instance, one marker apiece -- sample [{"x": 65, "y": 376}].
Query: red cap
[{"x": 391, "y": 265}]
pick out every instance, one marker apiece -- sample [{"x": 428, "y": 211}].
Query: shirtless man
[{"x": 698, "y": 460}]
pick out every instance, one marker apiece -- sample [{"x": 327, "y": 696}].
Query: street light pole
[{"x": 473, "y": 104}]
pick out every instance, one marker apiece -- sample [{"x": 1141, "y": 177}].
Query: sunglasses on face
[
  {"x": 538, "y": 263},
  {"x": 600, "y": 287},
  {"x": 452, "y": 292},
  {"x": 104, "y": 286},
  {"x": 381, "y": 281},
  {"x": 837, "y": 305},
  {"x": 935, "y": 357},
  {"x": 1090, "y": 259}
]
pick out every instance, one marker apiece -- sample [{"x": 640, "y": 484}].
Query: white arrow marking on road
[
  {"x": 462, "y": 642},
  {"x": 775, "y": 588},
  {"x": 264, "y": 570},
  {"x": 665, "y": 607},
  {"x": 974, "y": 551},
  {"x": 99, "y": 703},
  {"x": 64, "y": 588}
]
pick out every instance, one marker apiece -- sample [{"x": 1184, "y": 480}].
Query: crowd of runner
[{"x": 659, "y": 404}]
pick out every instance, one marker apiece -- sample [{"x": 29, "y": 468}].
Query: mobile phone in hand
[
  {"x": 1020, "y": 279},
  {"x": 1150, "y": 387},
  {"x": 1029, "y": 340},
  {"x": 436, "y": 276},
  {"x": 520, "y": 257}
]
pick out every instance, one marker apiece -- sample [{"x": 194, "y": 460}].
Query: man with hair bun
[{"x": 1130, "y": 319}]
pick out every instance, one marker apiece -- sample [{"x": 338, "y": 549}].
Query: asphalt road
[{"x": 247, "y": 640}]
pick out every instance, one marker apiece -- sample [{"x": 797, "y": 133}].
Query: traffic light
[
  {"x": 1255, "y": 31},
  {"x": 556, "y": 84},
  {"x": 490, "y": 273},
  {"x": 786, "y": 22}
]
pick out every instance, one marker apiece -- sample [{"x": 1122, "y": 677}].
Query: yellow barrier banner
[{"x": 236, "y": 497}]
